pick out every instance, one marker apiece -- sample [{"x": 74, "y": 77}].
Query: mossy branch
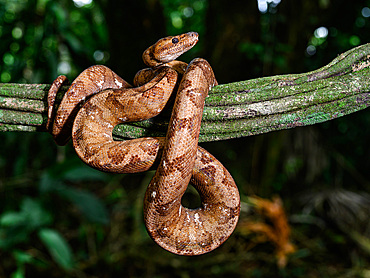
[{"x": 232, "y": 110}]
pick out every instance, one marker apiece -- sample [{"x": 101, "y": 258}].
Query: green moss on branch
[{"x": 232, "y": 110}]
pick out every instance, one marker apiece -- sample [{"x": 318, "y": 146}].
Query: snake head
[{"x": 169, "y": 48}]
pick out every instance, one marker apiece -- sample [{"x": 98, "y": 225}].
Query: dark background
[{"x": 49, "y": 200}]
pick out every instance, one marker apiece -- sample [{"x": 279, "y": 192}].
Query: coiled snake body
[{"x": 178, "y": 158}]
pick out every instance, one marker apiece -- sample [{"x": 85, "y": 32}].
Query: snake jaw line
[{"x": 169, "y": 48}]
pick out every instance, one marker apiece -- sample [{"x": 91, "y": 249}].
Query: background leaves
[{"x": 49, "y": 200}]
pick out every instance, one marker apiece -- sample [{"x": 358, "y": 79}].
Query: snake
[{"x": 98, "y": 100}]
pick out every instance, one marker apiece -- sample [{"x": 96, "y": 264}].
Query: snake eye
[{"x": 175, "y": 40}]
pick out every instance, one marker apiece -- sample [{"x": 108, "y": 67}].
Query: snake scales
[{"x": 98, "y": 99}]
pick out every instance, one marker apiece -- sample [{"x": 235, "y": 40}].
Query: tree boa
[{"x": 98, "y": 100}]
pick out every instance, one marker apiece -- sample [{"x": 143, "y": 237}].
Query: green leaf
[
  {"x": 35, "y": 214},
  {"x": 85, "y": 173},
  {"x": 91, "y": 207},
  {"x": 22, "y": 257},
  {"x": 58, "y": 247},
  {"x": 73, "y": 171},
  {"x": 19, "y": 273},
  {"x": 13, "y": 235},
  {"x": 12, "y": 218},
  {"x": 16, "y": 227},
  {"x": 48, "y": 183}
]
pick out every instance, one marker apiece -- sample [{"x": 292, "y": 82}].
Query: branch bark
[{"x": 232, "y": 110}]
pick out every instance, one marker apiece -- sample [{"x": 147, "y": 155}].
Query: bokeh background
[{"x": 59, "y": 218}]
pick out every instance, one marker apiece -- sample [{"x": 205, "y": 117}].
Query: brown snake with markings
[{"x": 178, "y": 158}]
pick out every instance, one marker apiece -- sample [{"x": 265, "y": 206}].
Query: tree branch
[{"x": 232, "y": 110}]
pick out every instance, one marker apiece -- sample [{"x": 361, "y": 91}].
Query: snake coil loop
[{"x": 98, "y": 100}]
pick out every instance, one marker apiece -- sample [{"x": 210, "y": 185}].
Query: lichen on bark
[{"x": 231, "y": 110}]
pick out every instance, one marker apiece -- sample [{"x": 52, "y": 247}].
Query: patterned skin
[{"x": 177, "y": 157}]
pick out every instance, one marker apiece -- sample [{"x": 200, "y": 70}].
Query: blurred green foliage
[{"x": 59, "y": 218}]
